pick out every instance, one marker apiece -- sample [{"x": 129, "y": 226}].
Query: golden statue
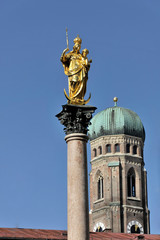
[{"x": 76, "y": 66}]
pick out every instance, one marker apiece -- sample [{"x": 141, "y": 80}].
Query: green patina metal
[
  {"x": 113, "y": 164},
  {"x": 116, "y": 120}
]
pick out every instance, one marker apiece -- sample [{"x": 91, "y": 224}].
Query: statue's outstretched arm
[{"x": 63, "y": 56}]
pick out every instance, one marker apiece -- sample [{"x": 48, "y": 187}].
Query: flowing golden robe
[{"x": 76, "y": 68}]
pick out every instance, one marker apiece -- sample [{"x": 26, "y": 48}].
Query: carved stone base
[{"x": 76, "y": 118}]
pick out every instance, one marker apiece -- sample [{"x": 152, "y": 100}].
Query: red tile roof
[
  {"x": 122, "y": 236},
  {"x": 39, "y": 234}
]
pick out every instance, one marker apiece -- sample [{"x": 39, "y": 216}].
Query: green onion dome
[{"x": 116, "y": 120}]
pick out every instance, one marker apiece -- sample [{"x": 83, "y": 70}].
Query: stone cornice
[
  {"x": 100, "y": 209},
  {"x": 131, "y": 159},
  {"x": 128, "y": 208}
]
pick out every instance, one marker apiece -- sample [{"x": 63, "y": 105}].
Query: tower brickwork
[{"x": 118, "y": 179}]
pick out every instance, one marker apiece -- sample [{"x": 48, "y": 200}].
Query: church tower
[{"x": 118, "y": 179}]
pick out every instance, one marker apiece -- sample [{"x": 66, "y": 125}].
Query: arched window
[
  {"x": 131, "y": 183},
  {"x": 128, "y": 148},
  {"x": 94, "y": 152},
  {"x": 99, "y": 229},
  {"x": 100, "y": 187},
  {"x": 108, "y": 148},
  {"x": 134, "y": 149},
  {"x": 117, "y": 147},
  {"x": 100, "y": 150},
  {"x": 135, "y": 229}
]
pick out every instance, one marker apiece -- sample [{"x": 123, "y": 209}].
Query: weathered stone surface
[{"x": 77, "y": 178}]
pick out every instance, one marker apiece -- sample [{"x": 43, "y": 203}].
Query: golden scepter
[
  {"x": 67, "y": 38},
  {"x": 68, "y": 49}
]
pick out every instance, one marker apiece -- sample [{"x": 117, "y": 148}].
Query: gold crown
[{"x": 78, "y": 40}]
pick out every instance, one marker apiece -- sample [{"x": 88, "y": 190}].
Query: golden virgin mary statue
[{"x": 76, "y": 66}]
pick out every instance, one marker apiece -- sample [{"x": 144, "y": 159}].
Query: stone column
[
  {"x": 76, "y": 120},
  {"x": 78, "y": 223}
]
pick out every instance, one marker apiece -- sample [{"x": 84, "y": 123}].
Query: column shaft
[{"x": 77, "y": 186}]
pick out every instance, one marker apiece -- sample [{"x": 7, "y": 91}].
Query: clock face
[
  {"x": 99, "y": 227},
  {"x": 134, "y": 227}
]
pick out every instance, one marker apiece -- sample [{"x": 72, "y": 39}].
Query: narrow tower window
[
  {"x": 117, "y": 147},
  {"x": 108, "y": 148},
  {"x": 94, "y": 152},
  {"x": 128, "y": 148},
  {"x": 141, "y": 152},
  {"x": 131, "y": 183},
  {"x": 100, "y": 150},
  {"x": 134, "y": 149},
  {"x": 100, "y": 187}
]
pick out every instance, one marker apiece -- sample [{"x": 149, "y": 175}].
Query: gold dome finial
[{"x": 115, "y": 99}]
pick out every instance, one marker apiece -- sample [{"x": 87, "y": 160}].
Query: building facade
[{"x": 118, "y": 179}]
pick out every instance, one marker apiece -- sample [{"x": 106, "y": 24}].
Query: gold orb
[{"x": 115, "y": 99}]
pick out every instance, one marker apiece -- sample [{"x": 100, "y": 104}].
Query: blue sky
[{"x": 124, "y": 42}]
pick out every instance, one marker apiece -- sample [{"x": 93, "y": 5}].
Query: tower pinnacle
[{"x": 115, "y": 99}]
